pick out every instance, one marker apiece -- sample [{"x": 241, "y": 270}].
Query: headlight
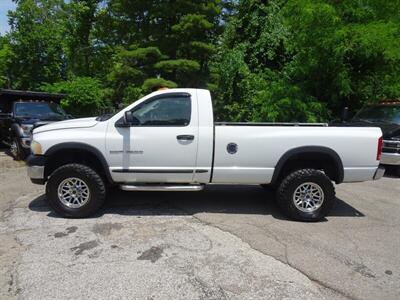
[
  {"x": 36, "y": 148},
  {"x": 26, "y": 130}
]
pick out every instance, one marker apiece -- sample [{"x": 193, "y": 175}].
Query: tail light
[{"x": 379, "y": 152}]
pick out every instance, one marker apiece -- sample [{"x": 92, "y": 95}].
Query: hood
[
  {"x": 68, "y": 124},
  {"x": 389, "y": 130},
  {"x": 34, "y": 119}
]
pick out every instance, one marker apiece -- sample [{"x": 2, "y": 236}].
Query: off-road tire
[
  {"x": 286, "y": 189},
  {"x": 92, "y": 180}
]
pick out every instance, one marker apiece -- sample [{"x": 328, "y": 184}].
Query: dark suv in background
[
  {"x": 21, "y": 111},
  {"x": 386, "y": 115}
]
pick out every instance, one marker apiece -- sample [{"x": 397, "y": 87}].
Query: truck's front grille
[{"x": 391, "y": 146}]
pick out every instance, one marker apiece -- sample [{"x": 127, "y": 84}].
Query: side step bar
[{"x": 162, "y": 188}]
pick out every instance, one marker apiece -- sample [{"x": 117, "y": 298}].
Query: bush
[{"x": 84, "y": 96}]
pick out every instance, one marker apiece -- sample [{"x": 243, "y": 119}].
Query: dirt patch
[
  {"x": 153, "y": 254},
  {"x": 84, "y": 247},
  {"x": 106, "y": 229},
  {"x": 9, "y": 259},
  {"x": 67, "y": 232}
]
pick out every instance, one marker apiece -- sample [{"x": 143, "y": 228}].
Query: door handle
[{"x": 185, "y": 137}]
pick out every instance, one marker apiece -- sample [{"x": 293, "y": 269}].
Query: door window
[{"x": 166, "y": 111}]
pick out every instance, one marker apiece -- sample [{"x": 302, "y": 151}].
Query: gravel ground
[{"x": 224, "y": 243}]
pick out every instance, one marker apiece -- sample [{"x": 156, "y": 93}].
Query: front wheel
[
  {"x": 306, "y": 195},
  {"x": 16, "y": 149},
  {"x": 75, "y": 191}
]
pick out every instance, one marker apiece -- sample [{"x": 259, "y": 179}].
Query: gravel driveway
[{"x": 224, "y": 243}]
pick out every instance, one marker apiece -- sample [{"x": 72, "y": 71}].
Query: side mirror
[
  {"x": 130, "y": 119},
  {"x": 345, "y": 114}
]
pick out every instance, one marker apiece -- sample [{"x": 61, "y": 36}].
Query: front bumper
[
  {"x": 36, "y": 166},
  {"x": 379, "y": 173},
  {"x": 36, "y": 172}
]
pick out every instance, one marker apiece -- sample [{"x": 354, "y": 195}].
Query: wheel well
[
  {"x": 81, "y": 156},
  {"x": 330, "y": 164}
]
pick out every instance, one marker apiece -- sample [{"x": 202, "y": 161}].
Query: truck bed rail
[{"x": 269, "y": 124}]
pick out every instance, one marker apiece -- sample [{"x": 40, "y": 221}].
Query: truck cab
[{"x": 20, "y": 112}]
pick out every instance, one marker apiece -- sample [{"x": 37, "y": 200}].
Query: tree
[
  {"x": 80, "y": 21},
  {"x": 85, "y": 96},
  {"x": 276, "y": 60},
  {"x": 253, "y": 84},
  {"x": 307, "y": 59},
  {"x": 182, "y": 32},
  {"x": 6, "y": 57},
  {"x": 37, "y": 43},
  {"x": 346, "y": 52}
]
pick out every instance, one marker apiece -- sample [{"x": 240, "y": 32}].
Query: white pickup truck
[{"x": 168, "y": 141}]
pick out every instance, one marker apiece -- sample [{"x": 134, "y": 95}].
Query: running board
[{"x": 162, "y": 188}]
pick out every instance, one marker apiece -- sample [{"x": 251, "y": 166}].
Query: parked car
[
  {"x": 20, "y": 112},
  {"x": 385, "y": 115},
  {"x": 168, "y": 141}
]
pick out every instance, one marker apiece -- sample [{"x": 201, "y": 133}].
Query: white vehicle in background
[{"x": 168, "y": 141}]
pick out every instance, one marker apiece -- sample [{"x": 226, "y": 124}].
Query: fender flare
[
  {"x": 82, "y": 146},
  {"x": 308, "y": 150}
]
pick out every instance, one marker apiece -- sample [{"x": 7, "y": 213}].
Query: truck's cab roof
[
  {"x": 15, "y": 95},
  {"x": 8, "y": 97}
]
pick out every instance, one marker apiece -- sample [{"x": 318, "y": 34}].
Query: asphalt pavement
[{"x": 227, "y": 242}]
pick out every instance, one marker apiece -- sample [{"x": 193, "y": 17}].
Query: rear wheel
[
  {"x": 306, "y": 195},
  {"x": 75, "y": 191}
]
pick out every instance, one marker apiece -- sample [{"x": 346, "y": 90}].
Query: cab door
[{"x": 161, "y": 145}]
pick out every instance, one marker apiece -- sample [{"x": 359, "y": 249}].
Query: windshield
[
  {"x": 379, "y": 113},
  {"x": 42, "y": 110}
]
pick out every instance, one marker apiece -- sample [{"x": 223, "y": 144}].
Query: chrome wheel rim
[
  {"x": 308, "y": 197},
  {"x": 73, "y": 192}
]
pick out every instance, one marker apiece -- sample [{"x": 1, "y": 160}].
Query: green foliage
[
  {"x": 276, "y": 60},
  {"x": 152, "y": 84},
  {"x": 307, "y": 59},
  {"x": 36, "y": 41},
  {"x": 78, "y": 27},
  {"x": 6, "y": 57},
  {"x": 253, "y": 84},
  {"x": 133, "y": 92},
  {"x": 180, "y": 65},
  {"x": 344, "y": 53},
  {"x": 130, "y": 70},
  {"x": 182, "y": 30},
  {"x": 84, "y": 95},
  {"x": 262, "y": 96}
]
